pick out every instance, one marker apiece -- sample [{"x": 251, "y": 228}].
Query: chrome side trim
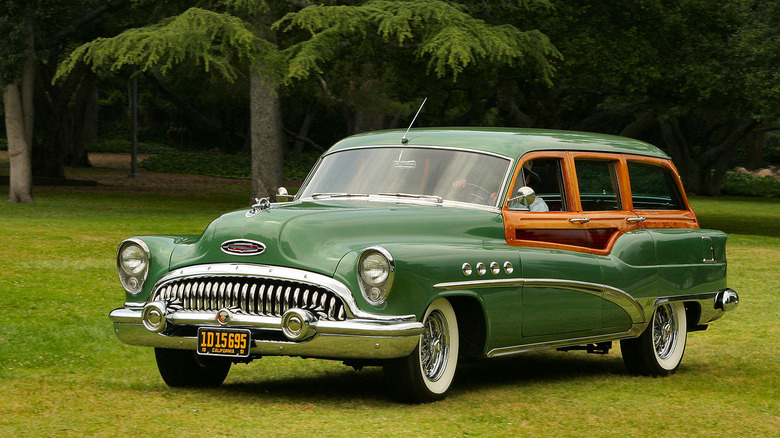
[
  {"x": 280, "y": 273},
  {"x": 619, "y": 297},
  {"x": 692, "y": 297},
  {"x": 636, "y": 330},
  {"x": 480, "y": 284}
]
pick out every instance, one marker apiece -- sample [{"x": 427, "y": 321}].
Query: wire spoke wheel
[
  {"x": 434, "y": 346},
  {"x": 665, "y": 330},
  {"x": 659, "y": 350},
  {"x": 426, "y": 374}
]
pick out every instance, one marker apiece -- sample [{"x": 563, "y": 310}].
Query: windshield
[{"x": 441, "y": 174}]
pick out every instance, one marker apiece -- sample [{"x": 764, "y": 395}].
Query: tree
[
  {"x": 214, "y": 41},
  {"x": 34, "y": 33},
  {"x": 380, "y": 57},
  {"x": 695, "y": 77},
  {"x": 16, "y": 24}
]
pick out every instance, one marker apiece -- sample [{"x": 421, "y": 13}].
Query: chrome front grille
[{"x": 253, "y": 295}]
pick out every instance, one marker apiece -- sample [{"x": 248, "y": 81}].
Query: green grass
[{"x": 63, "y": 372}]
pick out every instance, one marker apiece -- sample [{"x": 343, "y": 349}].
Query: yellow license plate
[{"x": 223, "y": 342}]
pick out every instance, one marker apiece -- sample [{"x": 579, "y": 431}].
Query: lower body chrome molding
[
  {"x": 711, "y": 305},
  {"x": 154, "y": 326}
]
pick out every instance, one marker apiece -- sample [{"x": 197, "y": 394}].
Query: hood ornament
[{"x": 259, "y": 205}]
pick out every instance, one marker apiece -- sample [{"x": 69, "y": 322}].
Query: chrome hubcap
[
  {"x": 434, "y": 346},
  {"x": 664, "y": 331}
]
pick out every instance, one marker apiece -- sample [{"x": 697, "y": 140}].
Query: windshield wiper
[
  {"x": 438, "y": 199},
  {"x": 337, "y": 195}
]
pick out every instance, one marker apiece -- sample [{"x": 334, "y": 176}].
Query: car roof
[{"x": 510, "y": 142}]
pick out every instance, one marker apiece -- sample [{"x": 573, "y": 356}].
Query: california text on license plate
[{"x": 223, "y": 342}]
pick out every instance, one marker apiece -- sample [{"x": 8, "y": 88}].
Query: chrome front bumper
[{"x": 303, "y": 334}]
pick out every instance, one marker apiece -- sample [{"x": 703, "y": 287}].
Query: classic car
[{"x": 416, "y": 252}]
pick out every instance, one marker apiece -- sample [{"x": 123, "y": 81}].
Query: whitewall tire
[
  {"x": 427, "y": 373},
  {"x": 659, "y": 350}
]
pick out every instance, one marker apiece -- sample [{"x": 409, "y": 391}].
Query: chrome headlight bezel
[
  {"x": 132, "y": 264},
  {"x": 375, "y": 271}
]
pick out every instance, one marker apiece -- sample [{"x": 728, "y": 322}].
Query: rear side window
[
  {"x": 653, "y": 187},
  {"x": 597, "y": 181}
]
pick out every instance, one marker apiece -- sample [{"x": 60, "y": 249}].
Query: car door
[{"x": 562, "y": 294}]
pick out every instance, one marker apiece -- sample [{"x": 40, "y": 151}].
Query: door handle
[
  {"x": 636, "y": 219},
  {"x": 581, "y": 220}
]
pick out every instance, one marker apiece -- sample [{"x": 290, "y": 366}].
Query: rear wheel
[
  {"x": 659, "y": 350},
  {"x": 185, "y": 368},
  {"x": 427, "y": 373}
]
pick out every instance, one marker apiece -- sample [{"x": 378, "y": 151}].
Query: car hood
[{"x": 316, "y": 235}]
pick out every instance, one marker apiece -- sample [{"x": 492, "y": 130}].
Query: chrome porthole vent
[{"x": 508, "y": 268}]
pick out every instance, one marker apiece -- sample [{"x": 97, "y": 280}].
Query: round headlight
[
  {"x": 374, "y": 269},
  {"x": 133, "y": 264},
  {"x": 375, "y": 274},
  {"x": 133, "y": 259}
]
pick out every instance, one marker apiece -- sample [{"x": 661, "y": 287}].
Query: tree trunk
[
  {"x": 20, "y": 175},
  {"x": 303, "y": 132},
  {"x": 680, "y": 152},
  {"x": 754, "y": 146},
  {"x": 19, "y": 116},
  {"x": 266, "y": 137}
]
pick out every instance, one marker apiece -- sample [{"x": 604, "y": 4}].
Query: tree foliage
[
  {"x": 13, "y": 47},
  {"x": 441, "y": 32},
  {"x": 215, "y": 41},
  {"x": 695, "y": 77}
]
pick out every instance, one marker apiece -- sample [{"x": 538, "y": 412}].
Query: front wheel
[
  {"x": 659, "y": 350},
  {"x": 185, "y": 368},
  {"x": 427, "y": 373}
]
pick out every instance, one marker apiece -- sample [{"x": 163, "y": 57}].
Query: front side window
[
  {"x": 545, "y": 177},
  {"x": 454, "y": 175},
  {"x": 598, "y": 186},
  {"x": 653, "y": 187}
]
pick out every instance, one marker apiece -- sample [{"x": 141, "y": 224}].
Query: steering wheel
[{"x": 481, "y": 189}]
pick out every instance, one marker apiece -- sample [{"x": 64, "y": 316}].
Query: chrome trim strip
[
  {"x": 636, "y": 330},
  {"x": 420, "y": 146},
  {"x": 619, "y": 297},
  {"x": 480, "y": 284},
  {"x": 280, "y": 273},
  {"x": 691, "y": 297}
]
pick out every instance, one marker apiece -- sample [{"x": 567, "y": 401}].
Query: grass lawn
[{"x": 63, "y": 372}]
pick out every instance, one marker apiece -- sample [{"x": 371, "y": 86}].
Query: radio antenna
[{"x": 405, "y": 140}]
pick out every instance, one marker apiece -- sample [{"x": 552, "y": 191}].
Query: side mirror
[
  {"x": 525, "y": 197},
  {"x": 281, "y": 192}
]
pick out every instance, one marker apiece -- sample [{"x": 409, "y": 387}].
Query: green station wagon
[{"x": 414, "y": 251}]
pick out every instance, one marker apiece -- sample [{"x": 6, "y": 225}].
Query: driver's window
[{"x": 545, "y": 177}]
